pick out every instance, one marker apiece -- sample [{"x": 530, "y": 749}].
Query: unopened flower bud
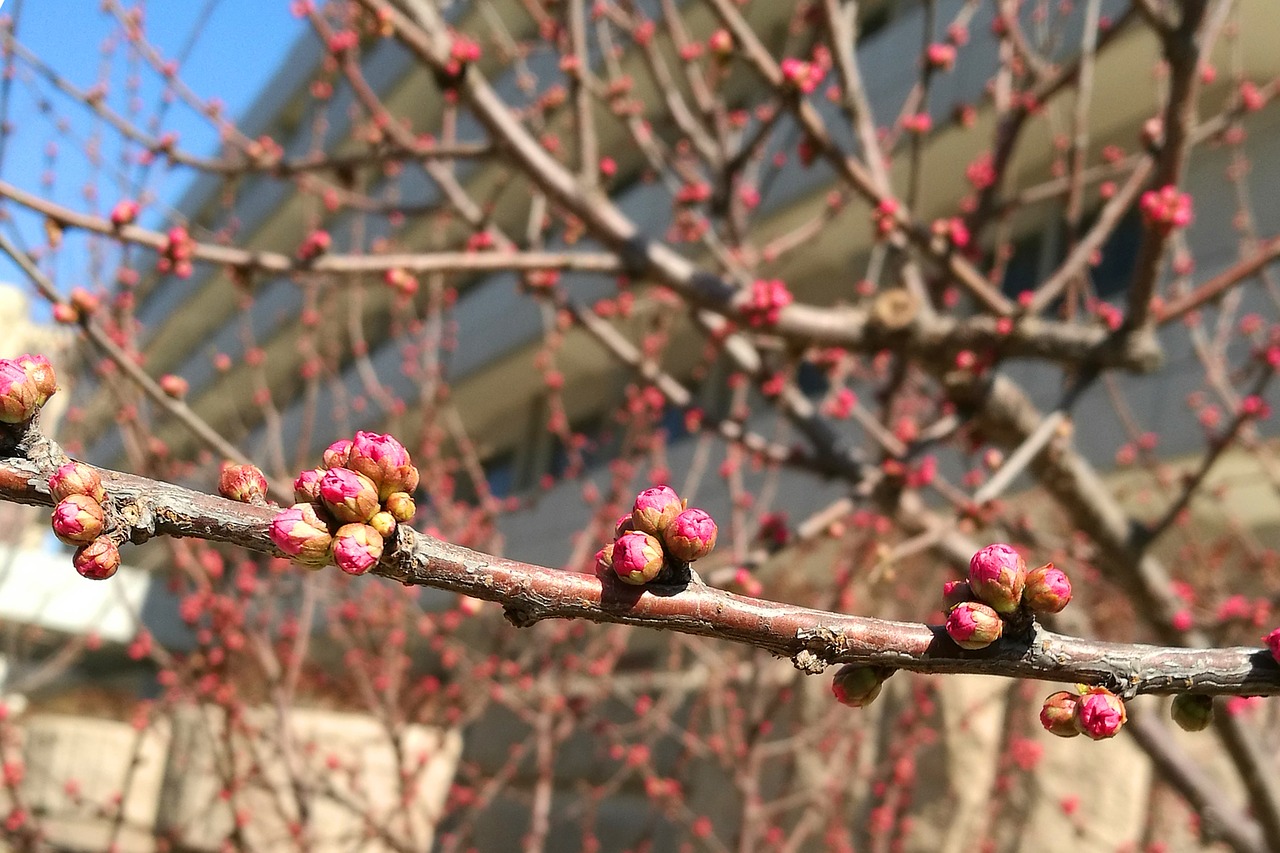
[
  {"x": 655, "y": 509},
  {"x": 997, "y": 575},
  {"x": 1058, "y": 715},
  {"x": 637, "y": 557},
  {"x": 1193, "y": 712},
  {"x": 98, "y": 560},
  {"x": 604, "y": 561},
  {"x": 691, "y": 536},
  {"x": 1101, "y": 713},
  {"x": 974, "y": 625},
  {"x": 306, "y": 487},
  {"x": 335, "y": 455},
  {"x": 356, "y": 548},
  {"x": 401, "y": 506},
  {"x": 124, "y": 213},
  {"x": 955, "y": 592},
  {"x": 78, "y": 519},
  {"x": 857, "y": 685},
  {"x": 41, "y": 373},
  {"x": 349, "y": 496},
  {"x": 1273, "y": 643},
  {"x": 19, "y": 396},
  {"x": 76, "y": 478},
  {"x": 1047, "y": 589},
  {"x": 244, "y": 483},
  {"x": 384, "y": 461},
  {"x": 622, "y": 525},
  {"x": 301, "y": 534},
  {"x": 175, "y": 386},
  {"x": 383, "y": 522}
]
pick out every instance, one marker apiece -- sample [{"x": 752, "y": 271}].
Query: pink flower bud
[
  {"x": 1273, "y": 642},
  {"x": 76, "y": 478},
  {"x": 1047, "y": 589},
  {"x": 691, "y": 536},
  {"x": 175, "y": 386},
  {"x": 637, "y": 557},
  {"x": 351, "y": 497},
  {"x": 314, "y": 245},
  {"x": 19, "y": 396},
  {"x": 41, "y": 373},
  {"x": 383, "y": 522},
  {"x": 356, "y": 548},
  {"x": 124, "y": 213},
  {"x": 654, "y": 509},
  {"x": 306, "y": 487},
  {"x": 974, "y": 625},
  {"x": 243, "y": 483},
  {"x": 98, "y": 560},
  {"x": 1101, "y": 713},
  {"x": 941, "y": 55},
  {"x": 997, "y": 575},
  {"x": 1193, "y": 712},
  {"x": 604, "y": 561},
  {"x": 335, "y": 455},
  {"x": 78, "y": 519},
  {"x": 1059, "y": 714},
  {"x": 857, "y": 685},
  {"x": 955, "y": 592},
  {"x": 385, "y": 461},
  {"x": 301, "y": 534}
]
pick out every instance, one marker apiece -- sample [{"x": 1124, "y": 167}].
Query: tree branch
[{"x": 140, "y": 509}]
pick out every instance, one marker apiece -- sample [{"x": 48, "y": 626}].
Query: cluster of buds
[
  {"x": 26, "y": 383},
  {"x": 350, "y": 506},
  {"x": 401, "y": 281},
  {"x": 80, "y": 520},
  {"x": 177, "y": 253},
  {"x": 768, "y": 298},
  {"x": 885, "y": 218},
  {"x": 462, "y": 52},
  {"x": 314, "y": 245},
  {"x": 918, "y": 123},
  {"x": 1092, "y": 711},
  {"x": 940, "y": 56},
  {"x": 1166, "y": 209},
  {"x": 802, "y": 76},
  {"x": 999, "y": 586},
  {"x": 660, "y": 533}
]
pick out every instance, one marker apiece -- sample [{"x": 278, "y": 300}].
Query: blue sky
[{"x": 229, "y": 50}]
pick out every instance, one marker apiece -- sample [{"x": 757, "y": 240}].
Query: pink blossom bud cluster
[
  {"x": 26, "y": 383},
  {"x": 350, "y": 506},
  {"x": 1166, "y": 209},
  {"x": 315, "y": 244},
  {"x": 462, "y": 52},
  {"x": 1092, "y": 711},
  {"x": 802, "y": 76},
  {"x": 80, "y": 520},
  {"x": 998, "y": 587},
  {"x": 177, "y": 253},
  {"x": 768, "y": 298},
  {"x": 660, "y": 532}
]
